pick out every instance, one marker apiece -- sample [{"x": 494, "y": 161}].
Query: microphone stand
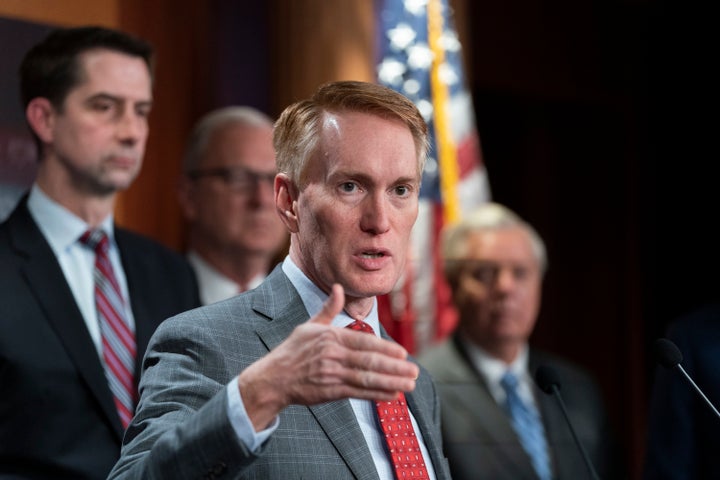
[
  {"x": 588, "y": 464},
  {"x": 697, "y": 389}
]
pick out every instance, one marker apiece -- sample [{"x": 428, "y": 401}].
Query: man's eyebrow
[
  {"x": 116, "y": 98},
  {"x": 104, "y": 96},
  {"x": 365, "y": 177}
]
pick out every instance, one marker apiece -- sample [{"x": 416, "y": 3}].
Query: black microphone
[
  {"x": 669, "y": 356},
  {"x": 549, "y": 382}
]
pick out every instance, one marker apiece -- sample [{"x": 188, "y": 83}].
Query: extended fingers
[
  {"x": 371, "y": 361},
  {"x": 363, "y": 342}
]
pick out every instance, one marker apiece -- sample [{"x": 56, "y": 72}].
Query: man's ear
[
  {"x": 286, "y": 201},
  {"x": 40, "y": 116},
  {"x": 186, "y": 198}
]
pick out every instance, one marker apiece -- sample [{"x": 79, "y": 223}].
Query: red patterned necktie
[
  {"x": 407, "y": 458},
  {"x": 118, "y": 338}
]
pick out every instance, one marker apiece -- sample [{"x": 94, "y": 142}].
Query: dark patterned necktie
[
  {"x": 405, "y": 454},
  {"x": 118, "y": 339}
]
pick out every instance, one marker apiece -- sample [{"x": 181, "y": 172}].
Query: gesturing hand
[{"x": 319, "y": 362}]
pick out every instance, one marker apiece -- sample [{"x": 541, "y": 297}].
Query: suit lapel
[
  {"x": 47, "y": 282},
  {"x": 492, "y": 421},
  {"x": 422, "y": 412},
  {"x": 338, "y": 421}
]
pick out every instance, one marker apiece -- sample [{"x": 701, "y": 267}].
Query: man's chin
[
  {"x": 369, "y": 288},
  {"x": 119, "y": 183}
]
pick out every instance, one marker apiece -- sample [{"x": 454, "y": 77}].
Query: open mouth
[{"x": 372, "y": 255}]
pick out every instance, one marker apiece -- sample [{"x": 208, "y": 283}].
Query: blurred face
[
  {"x": 498, "y": 290},
  {"x": 358, "y": 205},
  {"x": 230, "y": 205},
  {"x": 98, "y": 139}
]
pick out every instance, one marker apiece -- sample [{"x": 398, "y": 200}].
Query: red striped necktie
[
  {"x": 118, "y": 338},
  {"x": 402, "y": 443}
]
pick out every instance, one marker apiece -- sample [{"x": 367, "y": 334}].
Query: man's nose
[
  {"x": 131, "y": 127},
  {"x": 375, "y": 215},
  {"x": 505, "y": 280}
]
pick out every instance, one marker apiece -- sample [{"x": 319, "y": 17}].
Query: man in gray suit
[
  {"x": 494, "y": 263},
  {"x": 269, "y": 384}
]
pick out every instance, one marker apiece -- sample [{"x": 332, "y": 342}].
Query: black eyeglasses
[{"x": 238, "y": 179}]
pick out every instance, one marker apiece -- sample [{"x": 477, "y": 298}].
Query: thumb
[{"x": 332, "y": 306}]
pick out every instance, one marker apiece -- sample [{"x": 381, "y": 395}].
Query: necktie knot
[
  {"x": 96, "y": 240},
  {"x": 360, "y": 326},
  {"x": 509, "y": 382}
]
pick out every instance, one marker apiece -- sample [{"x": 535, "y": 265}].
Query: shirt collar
[
  {"x": 492, "y": 368},
  {"x": 313, "y": 297},
  {"x": 60, "y": 226},
  {"x": 214, "y": 286}
]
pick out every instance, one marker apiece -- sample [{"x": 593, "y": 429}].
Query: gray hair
[
  {"x": 216, "y": 119},
  {"x": 486, "y": 217}
]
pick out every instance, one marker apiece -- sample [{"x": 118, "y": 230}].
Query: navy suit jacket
[
  {"x": 57, "y": 416},
  {"x": 683, "y": 432}
]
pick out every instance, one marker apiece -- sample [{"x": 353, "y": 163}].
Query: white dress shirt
[{"x": 213, "y": 285}]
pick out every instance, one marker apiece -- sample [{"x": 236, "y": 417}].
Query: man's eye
[
  {"x": 101, "y": 106},
  {"x": 402, "y": 190},
  {"x": 238, "y": 180},
  {"x": 142, "y": 112},
  {"x": 484, "y": 274},
  {"x": 348, "y": 187},
  {"x": 520, "y": 273}
]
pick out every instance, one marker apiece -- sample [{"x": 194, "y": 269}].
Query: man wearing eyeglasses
[{"x": 226, "y": 195}]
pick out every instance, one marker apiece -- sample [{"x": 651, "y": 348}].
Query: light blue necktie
[{"x": 528, "y": 426}]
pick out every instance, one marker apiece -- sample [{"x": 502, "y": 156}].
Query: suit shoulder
[
  {"x": 146, "y": 261},
  {"x": 440, "y": 360},
  {"x": 135, "y": 248},
  {"x": 696, "y": 324},
  {"x": 135, "y": 242},
  {"x": 567, "y": 370}
]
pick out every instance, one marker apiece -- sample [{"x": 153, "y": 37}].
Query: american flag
[{"x": 419, "y": 55}]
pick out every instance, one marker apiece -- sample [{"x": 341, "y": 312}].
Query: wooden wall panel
[
  {"x": 316, "y": 41},
  {"x": 176, "y": 29},
  {"x": 66, "y": 12}
]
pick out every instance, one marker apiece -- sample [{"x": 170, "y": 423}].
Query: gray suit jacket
[
  {"x": 181, "y": 430},
  {"x": 479, "y": 440}
]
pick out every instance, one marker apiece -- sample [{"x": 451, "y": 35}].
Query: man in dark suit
[
  {"x": 494, "y": 263},
  {"x": 87, "y": 95},
  {"x": 683, "y": 431},
  {"x": 269, "y": 384}
]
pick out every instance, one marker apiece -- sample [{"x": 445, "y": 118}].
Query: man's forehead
[{"x": 112, "y": 67}]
